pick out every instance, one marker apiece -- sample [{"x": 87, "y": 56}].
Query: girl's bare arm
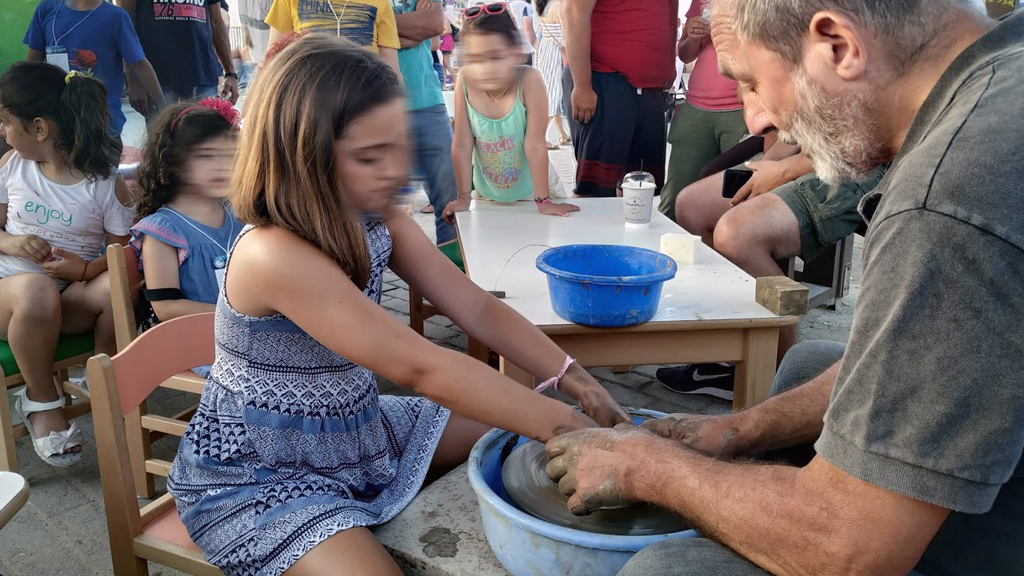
[
  {"x": 160, "y": 267},
  {"x": 535, "y": 98},
  {"x": 462, "y": 141},
  {"x": 417, "y": 261},
  {"x": 273, "y": 270}
]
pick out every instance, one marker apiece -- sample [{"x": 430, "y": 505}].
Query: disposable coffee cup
[{"x": 638, "y": 198}]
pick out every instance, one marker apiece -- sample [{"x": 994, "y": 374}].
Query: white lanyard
[
  {"x": 337, "y": 18},
  {"x": 231, "y": 234},
  {"x": 53, "y": 23}
]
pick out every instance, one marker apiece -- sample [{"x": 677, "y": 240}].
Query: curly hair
[
  {"x": 76, "y": 104},
  {"x": 173, "y": 134}
]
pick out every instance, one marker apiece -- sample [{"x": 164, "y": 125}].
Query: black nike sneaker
[{"x": 715, "y": 379}]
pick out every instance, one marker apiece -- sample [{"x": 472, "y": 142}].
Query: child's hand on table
[
  {"x": 557, "y": 209},
  {"x": 460, "y": 204}
]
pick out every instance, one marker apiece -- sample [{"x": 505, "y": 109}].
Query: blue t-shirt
[
  {"x": 178, "y": 41},
  {"x": 202, "y": 250},
  {"x": 421, "y": 82},
  {"x": 99, "y": 41}
]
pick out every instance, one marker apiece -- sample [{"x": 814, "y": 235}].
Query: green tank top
[{"x": 500, "y": 170}]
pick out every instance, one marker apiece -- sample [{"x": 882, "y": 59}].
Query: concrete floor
[{"x": 62, "y": 529}]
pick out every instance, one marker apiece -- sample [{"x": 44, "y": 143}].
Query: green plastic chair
[
  {"x": 71, "y": 351},
  {"x": 454, "y": 253}
]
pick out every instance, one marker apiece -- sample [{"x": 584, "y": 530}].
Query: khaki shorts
[{"x": 826, "y": 213}]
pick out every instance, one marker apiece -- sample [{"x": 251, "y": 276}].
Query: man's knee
[
  {"x": 692, "y": 211},
  {"x": 737, "y": 232},
  {"x": 760, "y": 225},
  {"x": 804, "y": 361},
  {"x": 689, "y": 557}
]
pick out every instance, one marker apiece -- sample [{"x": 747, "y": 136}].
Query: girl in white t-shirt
[{"x": 61, "y": 202}]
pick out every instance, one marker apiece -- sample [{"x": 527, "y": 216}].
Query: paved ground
[{"x": 62, "y": 529}]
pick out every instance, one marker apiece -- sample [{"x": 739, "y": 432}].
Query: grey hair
[{"x": 906, "y": 27}]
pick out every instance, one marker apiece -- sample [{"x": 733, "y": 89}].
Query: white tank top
[{"x": 74, "y": 217}]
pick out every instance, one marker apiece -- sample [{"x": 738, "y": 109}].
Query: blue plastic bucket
[
  {"x": 528, "y": 546},
  {"x": 605, "y": 285}
]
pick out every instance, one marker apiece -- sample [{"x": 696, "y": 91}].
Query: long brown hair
[{"x": 286, "y": 174}]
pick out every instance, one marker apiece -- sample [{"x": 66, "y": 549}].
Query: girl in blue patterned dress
[
  {"x": 292, "y": 453},
  {"x": 185, "y": 228}
]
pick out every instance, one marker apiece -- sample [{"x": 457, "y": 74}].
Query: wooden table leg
[
  {"x": 477, "y": 350},
  {"x": 755, "y": 373},
  {"x": 516, "y": 373}
]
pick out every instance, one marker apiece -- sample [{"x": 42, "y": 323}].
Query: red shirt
[
  {"x": 636, "y": 38},
  {"x": 709, "y": 90}
]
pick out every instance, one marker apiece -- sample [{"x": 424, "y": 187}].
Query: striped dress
[
  {"x": 291, "y": 443},
  {"x": 549, "y": 63}
]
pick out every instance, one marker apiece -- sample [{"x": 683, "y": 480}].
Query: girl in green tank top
[{"x": 499, "y": 148}]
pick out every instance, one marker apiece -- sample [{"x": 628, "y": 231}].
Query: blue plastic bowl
[
  {"x": 605, "y": 285},
  {"x": 529, "y": 546}
]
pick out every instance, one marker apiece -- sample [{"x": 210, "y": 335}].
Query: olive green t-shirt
[{"x": 929, "y": 402}]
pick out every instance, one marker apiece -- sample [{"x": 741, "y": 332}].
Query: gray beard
[{"x": 836, "y": 132}]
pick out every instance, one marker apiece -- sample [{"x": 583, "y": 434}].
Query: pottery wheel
[{"x": 530, "y": 489}]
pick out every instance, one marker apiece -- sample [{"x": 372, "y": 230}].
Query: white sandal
[{"x": 52, "y": 449}]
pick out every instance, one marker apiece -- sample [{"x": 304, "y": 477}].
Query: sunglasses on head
[{"x": 492, "y": 9}]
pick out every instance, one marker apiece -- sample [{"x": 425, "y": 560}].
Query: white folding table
[{"x": 707, "y": 313}]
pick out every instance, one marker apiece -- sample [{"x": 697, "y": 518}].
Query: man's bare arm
[
  {"x": 779, "y": 150},
  {"x": 420, "y": 25},
  {"x": 531, "y": 34},
  {"x": 792, "y": 418},
  {"x": 816, "y": 520},
  {"x": 142, "y": 74},
  {"x": 811, "y": 521},
  {"x": 221, "y": 40},
  {"x": 576, "y": 18}
]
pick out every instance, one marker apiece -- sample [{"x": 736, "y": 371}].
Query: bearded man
[{"x": 918, "y": 426}]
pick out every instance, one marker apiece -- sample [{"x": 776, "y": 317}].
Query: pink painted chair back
[{"x": 118, "y": 386}]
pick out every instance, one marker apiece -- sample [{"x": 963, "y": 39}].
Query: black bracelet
[{"x": 231, "y": 75}]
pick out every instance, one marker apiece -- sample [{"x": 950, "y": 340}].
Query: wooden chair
[
  {"x": 420, "y": 310},
  {"x": 119, "y": 386},
  {"x": 71, "y": 351},
  {"x": 144, "y": 428}
]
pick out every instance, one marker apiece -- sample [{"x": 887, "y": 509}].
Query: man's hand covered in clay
[{"x": 592, "y": 466}]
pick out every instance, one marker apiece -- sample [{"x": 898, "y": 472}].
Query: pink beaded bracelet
[{"x": 552, "y": 383}]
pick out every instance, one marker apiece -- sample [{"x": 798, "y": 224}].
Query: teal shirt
[
  {"x": 421, "y": 83},
  {"x": 500, "y": 169}
]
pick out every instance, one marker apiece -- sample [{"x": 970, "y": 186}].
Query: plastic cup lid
[{"x": 638, "y": 177}]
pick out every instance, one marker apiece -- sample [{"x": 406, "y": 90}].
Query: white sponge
[{"x": 680, "y": 247}]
